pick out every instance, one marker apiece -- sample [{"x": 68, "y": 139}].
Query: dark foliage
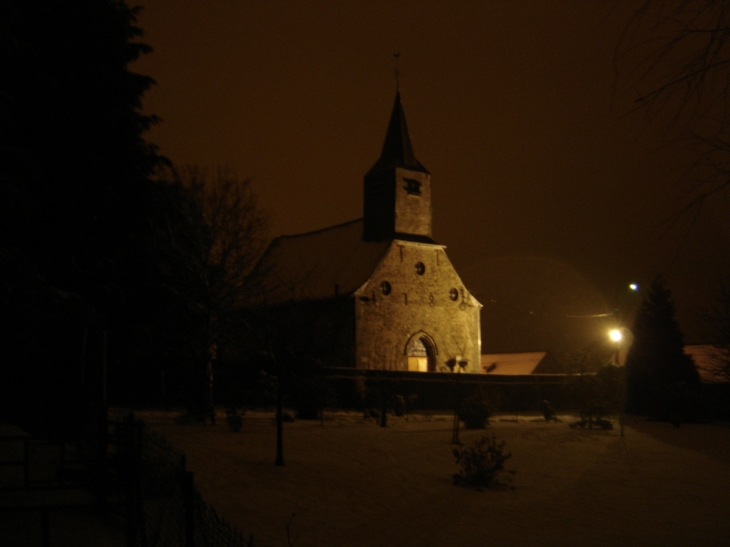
[
  {"x": 234, "y": 419},
  {"x": 399, "y": 405},
  {"x": 482, "y": 465},
  {"x": 74, "y": 169},
  {"x": 597, "y": 395},
  {"x": 110, "y": 267},
  {"x": 660, "y": 377},
  {"x": 548, "y": 412},
  {"x": 207, "y": 231},
  {"x": 475, "y": 411},
  {"x": 309, "y": 390}
]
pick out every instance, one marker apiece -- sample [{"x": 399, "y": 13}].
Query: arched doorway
[{"x": 421, "y": 353}]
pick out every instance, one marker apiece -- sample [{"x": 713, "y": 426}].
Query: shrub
[
  {"x": 361, "y": 392},
  {"x": 548, "y": 411},
  {"x": 371, "y": 413},
  {"x": 399, "y": 405},
  {"x": 309, "y": 396},
  {"x": 234, "y": 419},
  {"x": 475, "y": 412},
  {"x": 411, "y": 401},
  {"x": 592, "y": 421},
  {"x": 483, "y": 464}
]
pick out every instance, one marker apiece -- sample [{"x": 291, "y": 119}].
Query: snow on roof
[
  {"x": 710, "y": 361},
  {"x": 511, "y": 363},
  {"x": 318, "y": 265}
]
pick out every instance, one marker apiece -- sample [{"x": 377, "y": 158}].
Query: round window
[
  {"x": 385, "y": 288},
  {"x": 454, "y": 294},
  {"x": 420, "y": 268}
]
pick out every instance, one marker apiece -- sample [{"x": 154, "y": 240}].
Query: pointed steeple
[
  {"x": 397, "y": 190},
  {"x": 397, "y": 149}
]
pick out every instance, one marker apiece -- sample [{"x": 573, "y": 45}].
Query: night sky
[{"x": 550, "y": 190}]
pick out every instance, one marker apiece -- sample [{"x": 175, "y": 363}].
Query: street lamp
[
  {"x": 617, "y": 334},
  {"x": 621, "y": 337},
  {"x": 619, "y": 300}
]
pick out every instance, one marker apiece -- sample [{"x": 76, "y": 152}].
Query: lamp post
[
  {"x": 622, "y": 337},
  {"x": 617, "y": 337},
  {"x": 461, "y": 363},
  {"x": 633, "y": 287}
]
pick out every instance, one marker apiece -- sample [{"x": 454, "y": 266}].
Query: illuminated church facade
[{"x": 377, "y": 292}]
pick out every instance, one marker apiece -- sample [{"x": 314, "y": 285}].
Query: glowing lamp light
[
  {"x": 633, "y": 286},
  {"x": 615, "y": 335}
]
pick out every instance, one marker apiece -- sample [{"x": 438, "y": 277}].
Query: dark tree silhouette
[
  {"x": 675, "y": 56},
  {"x": 660, "y": 377},
  {"x": 110, "y": 267},
  {"x": 209, "y": 231},
  {"x": 73, "y": 174}
]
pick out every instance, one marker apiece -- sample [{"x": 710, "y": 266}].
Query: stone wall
[{"x": 415, "y": 291}]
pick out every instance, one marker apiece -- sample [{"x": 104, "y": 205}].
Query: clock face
[{"x": 412, "y": 187}]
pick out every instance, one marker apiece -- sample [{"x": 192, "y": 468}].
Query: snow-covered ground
[{"x": 349, "y": 482}]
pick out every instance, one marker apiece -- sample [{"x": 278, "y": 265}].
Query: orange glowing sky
[{"x": 548, "y": 191}]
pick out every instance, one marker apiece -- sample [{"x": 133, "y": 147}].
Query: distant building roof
[
  {"x": 710, "y": 361},
  {"x": 318, "y": 265},
  {"x": 512, "y": 363}
]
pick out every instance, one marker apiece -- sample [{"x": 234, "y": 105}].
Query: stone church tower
[
  {"x": 377, "y": 292},
  {"x": 397, "y": 197}
]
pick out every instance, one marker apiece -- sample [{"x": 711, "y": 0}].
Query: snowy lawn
[{"x": 351, "y": 483}]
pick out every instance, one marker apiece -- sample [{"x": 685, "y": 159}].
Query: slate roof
[
  {"x": 318, "y": 265},
  {"x": 397, "y": 149}
]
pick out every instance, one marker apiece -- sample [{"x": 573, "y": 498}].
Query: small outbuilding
[
  {"x": 518, "y": 364},
  {"x": 712, "y": 362}
]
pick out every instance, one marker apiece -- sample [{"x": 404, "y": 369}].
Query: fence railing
[
  {"x": 29, "y": 463},
  {"x": 137, "y": 474},
  {"x": 169, "y": 510}
]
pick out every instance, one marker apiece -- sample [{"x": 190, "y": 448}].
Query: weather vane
[{"x": 396, "y": 71}]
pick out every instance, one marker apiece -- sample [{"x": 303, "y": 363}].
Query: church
[{"x": 377, "y": 292}]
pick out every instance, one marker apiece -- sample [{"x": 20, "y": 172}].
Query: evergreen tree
[
  {"x": 93, "y": 239},
  {"x": 660, "y": 377},
  {"x": 74, "y": 174}
]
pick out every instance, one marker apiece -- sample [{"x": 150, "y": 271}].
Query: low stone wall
[{"x": 352, "y": 388}]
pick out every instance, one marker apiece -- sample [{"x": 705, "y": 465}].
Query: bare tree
[
  {"x": 235, "y": 229},
  {"x": 678, "y": 57},
  {"x": 675, "y": 57},
  {"x": 216, "y": 232}
]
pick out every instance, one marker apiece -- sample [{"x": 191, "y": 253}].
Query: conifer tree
[
  {"x": 74, "y": 173},
  {"x": 659, "y": 376}
]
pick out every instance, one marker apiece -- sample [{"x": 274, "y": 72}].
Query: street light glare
[
  {"x": 633, "y": 286},
  {"x": 615, "y": 335}
]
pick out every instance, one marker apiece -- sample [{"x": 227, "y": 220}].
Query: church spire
[
  {"x": 397, "y": 149},
  {"x": 397, "y": 190}
]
